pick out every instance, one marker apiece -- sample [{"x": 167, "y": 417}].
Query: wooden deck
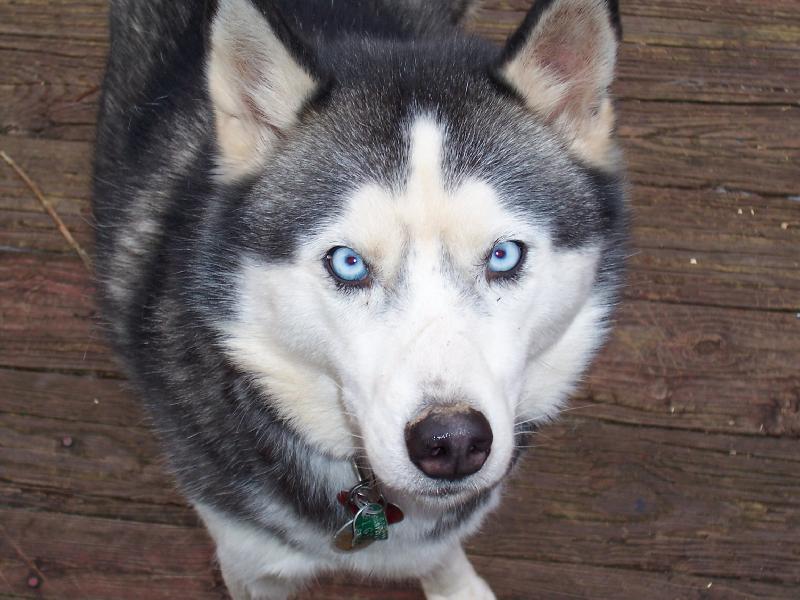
[{"x": 676, "y": 476}]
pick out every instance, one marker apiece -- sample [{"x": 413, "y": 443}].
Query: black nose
[{"x": 449, "y": 443}]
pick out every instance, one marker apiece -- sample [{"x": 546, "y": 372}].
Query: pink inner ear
[
  {"x": 564, "y": 69},
  {"x": 573, "y": 50},
  {"x": 563, "y": 61}
]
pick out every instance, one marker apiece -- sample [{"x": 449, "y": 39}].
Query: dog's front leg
[
  {"x": 455, "y": 579},
  {"x": 246, "y": 586},
  {"x": 254, "y": 564},
  {"x": 265, "y": 588}
]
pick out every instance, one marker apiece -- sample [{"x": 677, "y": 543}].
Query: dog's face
[{"x": 423, "y": 264}]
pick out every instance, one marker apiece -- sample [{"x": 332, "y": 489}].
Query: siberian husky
[{"x": 345, "y": 231}]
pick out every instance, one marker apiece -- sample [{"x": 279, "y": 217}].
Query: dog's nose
[{"x": 449, "y": 443}]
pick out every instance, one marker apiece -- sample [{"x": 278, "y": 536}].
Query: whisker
[
  {"x": 525, "y": 422},
  {"x": 570, "y": 409},
  {"x": 560, "y": 411}
]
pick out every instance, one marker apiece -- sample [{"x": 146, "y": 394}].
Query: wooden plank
[
  {"x": 70, "y": 399},
  {"x": 52, "y": 55},
  {"x": 714, "y": 76},
  {"x": 50, "y": 89},
  {"x": 90, "y": 558},
  {"x": 700, "y": 368},
  {"x": 525, "y": 580},
  {"x": 81, "y": 445},
  {"x": 697, "y": 367},
  {"x": 779, "y": 19},
  {"x": 750, "y": 148},
  {"x": 628, "y": 504},
  {"x": 24, "y": 231},
  {"x": 678, "y": 51},
  {"x": 75, "y": 502},
  {"x": 97, "y": 460},
  {"x": 716, "y": 248},
  {"x": 746, "y": 246},
  {"x": 510, "y": 579},
  {"x": 63, "y": 171},
  {"x": 61, "y": 19},
  {"x": 47, "y": 316},
  {"x": 698, "y": 51},
  {"x": 656, "y": 500},
  {"x": 712, "y": 22}
]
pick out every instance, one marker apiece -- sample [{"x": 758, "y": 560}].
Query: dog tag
[
  {"x": 393, "y": 513},
  {"x": 372, "y": 514},
  {"x": 370, "y": 523},
  {"x": 346, "y": 541}
]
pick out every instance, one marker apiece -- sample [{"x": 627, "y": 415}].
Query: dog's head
[{"x": 425, "y": 236}]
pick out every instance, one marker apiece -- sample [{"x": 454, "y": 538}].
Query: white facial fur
[{"x": 349, "y": 369}]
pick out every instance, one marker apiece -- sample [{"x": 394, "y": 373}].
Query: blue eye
[
  {"x": 505, "y": 259},
  {"x": 347, "y": 266}
]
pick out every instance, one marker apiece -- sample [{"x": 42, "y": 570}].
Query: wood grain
[
  {"x": 748, "y": 148},
  {"x": 600, "y": 495},
  {"x": 672, "y": 52},
  {"x": 48, "y": 316},
  {"x": 89, "y": 557},
  {"x": 746, "y": 246},
  {"x": 655, "y": 500},
  {"x": 698, "y": 367},
  {"x": 715, "y": 248},
  {"x": 701, "y": 368},
  {"x": 674, "y": 474},
  {"x": 701, "y": 52}
]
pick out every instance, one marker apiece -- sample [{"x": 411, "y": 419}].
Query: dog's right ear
[{"x": 260, "y": 74}]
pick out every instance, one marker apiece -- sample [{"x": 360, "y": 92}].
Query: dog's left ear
[
  {"x": 561, "y": 61},
  {"x": 260, "y": 75}
]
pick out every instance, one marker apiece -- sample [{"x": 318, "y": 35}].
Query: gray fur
[{"x": 171, "y": 238}]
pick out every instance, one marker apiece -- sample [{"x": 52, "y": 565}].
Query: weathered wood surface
[
  {"x": 713, "y": 52},
  {"x": 676, "y": 476},
  {"x": 673, "y": 365}
]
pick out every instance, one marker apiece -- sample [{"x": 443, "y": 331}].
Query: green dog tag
[
  {"x": 346, "y": 541},
  {"x": 372, "y": 515},
  {"x": 371, "y": 523}
]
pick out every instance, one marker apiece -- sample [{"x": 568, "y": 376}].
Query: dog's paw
[{"x": 475, "y": 589}]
